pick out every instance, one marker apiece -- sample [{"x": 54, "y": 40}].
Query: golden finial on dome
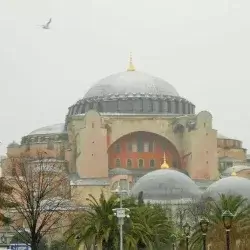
[
  {"x": 164, "y": 165},
  {"x": 131, "y": 66},
  {"x": 233, "y": 173}
]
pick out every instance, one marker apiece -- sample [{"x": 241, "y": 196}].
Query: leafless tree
[{"x": 41, "y": 194}]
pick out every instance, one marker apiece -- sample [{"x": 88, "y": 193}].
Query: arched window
[
  {"x": 91, "y": 105},
  {"x": 146, "y": 146},
  {"x": 150, "y": 105},
  {"x": 169, "y": 107},
  {"x": 117, "y": 163},
  {"x": 129, "y": 163},
  {"x": 140, "y": 144},
  {"x": 183, "y": 107},
  {"x": 152, "y": 163},
  {"x": 140, "y": 163},
  {"x": 151, "y": 146},
  {"x": 117, "y": 148},
  {"x": 99, "y": 107},
  {"x": 129, "y": 147},
  {"x": 176, "y": 107}
]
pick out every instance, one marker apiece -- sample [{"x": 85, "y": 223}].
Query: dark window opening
[
  {"x": 152, "y": 163},
  {"x": 176, "y": 107},
  {"x": 150, "y": 105},
  {"x": 151, "y": 147},
  {"x": 129, "y": 163},
  {"x": 117, "y": 148},
  {"x": 169, "y": 106},
  {"x": 140, "y": 145},
  {"x": 140, "y": 163},
  {"x": 183, "y": 107},
  {"x": 129, "y": 147},
  {"x": 91, "y": 105},
  {"x": 117, "y": 163}
]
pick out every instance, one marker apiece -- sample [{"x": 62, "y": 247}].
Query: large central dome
[
  {"x": 132, "y": 92},
  {"x": 131, "y": 82}
]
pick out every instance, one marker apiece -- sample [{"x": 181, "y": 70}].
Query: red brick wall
[{"x": 158, "y": 150}]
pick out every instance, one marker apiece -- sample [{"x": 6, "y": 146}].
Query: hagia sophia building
[{"x": 123, "y": 128}]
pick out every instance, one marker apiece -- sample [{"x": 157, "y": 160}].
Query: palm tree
[
  {"x": 237, "y": 205},
  {"x": 148, "y": 225}
]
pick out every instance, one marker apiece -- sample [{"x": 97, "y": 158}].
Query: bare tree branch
[{"x": 39, "y": 194}]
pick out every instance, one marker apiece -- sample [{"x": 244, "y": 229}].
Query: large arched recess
[{"x": 142, "y": 147}]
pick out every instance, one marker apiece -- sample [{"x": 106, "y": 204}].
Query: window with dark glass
[
  {"x": 91, "y": 105},
  {"x": 183, "y": 107},
  {"x": 150, "y": 105},
  {"x": 176, "y": 107},
  {"x": 189, "y": 109},
  {"x": 151, "y": 147},
  {"x": 140, "y": 145},
  {"x": 99, "y": 107},
  {"x": 129, "y": 147},
  {"x": 140, "y": 163},
  {"x": 169, "y": 106},
  {"x": 117, "y": 163},
  {"x": 152, "y": 163},
  {"x": 130, "y": 105},
  {"x": 140, "y": 105},
  {"x": 117, "y": 148},
  {"x": 129, "y": 163}
]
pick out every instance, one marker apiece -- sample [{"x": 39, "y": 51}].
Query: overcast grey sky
[{"x": 201, "y": 47}]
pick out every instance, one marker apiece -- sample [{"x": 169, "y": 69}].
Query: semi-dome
[
  {"x": 51, "y": 129},
  {"x": 130, "y": 83},
  {"x": 233, "y": 185},
  {"x": 166, "y": 184}
]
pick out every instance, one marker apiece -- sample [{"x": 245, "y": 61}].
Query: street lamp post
[
  {"x": 187, "y": 229},
  {"x": 173, "y": 240},
  {"x": 204, "y": 228},
  {"x": 227, "y": 218},
  {"x": 121, "y": 213}
]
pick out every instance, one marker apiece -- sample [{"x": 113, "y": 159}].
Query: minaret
[
  {"x": 164, "y": 165},
  {"x": 131, "y": 66}
]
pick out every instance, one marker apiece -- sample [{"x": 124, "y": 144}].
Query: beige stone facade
[{"x": 128, "y": 121}]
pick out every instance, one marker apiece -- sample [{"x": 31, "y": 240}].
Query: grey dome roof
[
  {"x": 13, "y": 145},
  {"x": 133, "y": 82},
  {"x": 119, "y": 171},
  {"x": 232, "y": 185},
  {"x": 166, "y": 184},
  {"x": 52, "y": 129},
  {"x": 236, "y": 169}
]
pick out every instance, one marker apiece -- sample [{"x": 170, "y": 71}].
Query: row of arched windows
[
  {"x": 139, "y": 105},
  {"x": 140, "y": 163},
  {"x": 137, "y": 146}
]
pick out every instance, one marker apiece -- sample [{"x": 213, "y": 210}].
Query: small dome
[
  {"x": 232, "y": 185},
  {"x": 236, "y": 169},
  {"x": 119, "y": 171},
  {"x": 133, "y": 82},
  {"x": 13, "y": 145},
  {"x": 52, "y": 129},
  {"x": 166, "y": 184}
]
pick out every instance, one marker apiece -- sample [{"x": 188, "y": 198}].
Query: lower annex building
[{"x": 122, "y": 127}]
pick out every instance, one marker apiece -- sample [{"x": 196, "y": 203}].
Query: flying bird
[{"x": 47, "y": 25}]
